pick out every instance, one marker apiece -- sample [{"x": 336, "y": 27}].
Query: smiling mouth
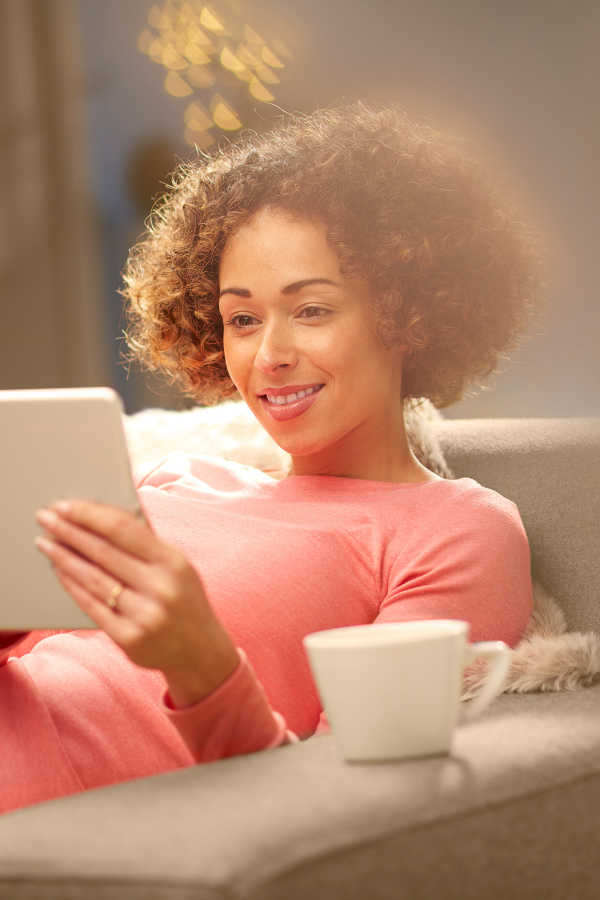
[{"x": 291, "y": 398}]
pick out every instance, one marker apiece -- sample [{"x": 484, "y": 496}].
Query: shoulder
[
  {"x": 465, "y": 509},
  {"x": 464, "y": 496},
  {"x": 466, "y": 557}
]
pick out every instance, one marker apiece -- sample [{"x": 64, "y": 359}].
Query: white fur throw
[{"x": 548, "y": 658}]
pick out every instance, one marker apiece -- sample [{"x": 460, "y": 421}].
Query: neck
[{"x": 370, "y": 453}]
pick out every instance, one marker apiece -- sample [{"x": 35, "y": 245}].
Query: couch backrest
[{"x": 551, "y": 469}]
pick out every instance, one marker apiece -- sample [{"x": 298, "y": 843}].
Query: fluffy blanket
[{"x": 548, "y": 658}]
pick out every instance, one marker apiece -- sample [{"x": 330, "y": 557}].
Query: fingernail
[
  {"x": 42, "y": 543},
  {"x": 46, "y": 517},
  {"x": 63, "y": 506}
]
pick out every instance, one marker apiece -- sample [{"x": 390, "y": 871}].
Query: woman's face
[{"x": 292, "y": 322}]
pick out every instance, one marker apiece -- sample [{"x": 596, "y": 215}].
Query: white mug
[{"x": 392, "y": 690}]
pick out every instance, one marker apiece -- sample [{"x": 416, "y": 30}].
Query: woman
[{"x": 328, "y": 273}]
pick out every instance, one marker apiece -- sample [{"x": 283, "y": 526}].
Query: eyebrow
[{"x": 288, "y": 289}]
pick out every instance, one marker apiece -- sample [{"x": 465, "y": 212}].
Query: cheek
[
  {"x": 347, "y": 354},
  {"x": 234, "y": 360},
  {"x": 338, "y": 347}
]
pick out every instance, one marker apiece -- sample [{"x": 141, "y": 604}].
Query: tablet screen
[{"x": 55, "y": 444}]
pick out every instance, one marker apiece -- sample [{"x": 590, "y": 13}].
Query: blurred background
[{"x": 100, "y": 100}]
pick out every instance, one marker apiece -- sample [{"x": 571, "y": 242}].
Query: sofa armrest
[{"x": 512, "y": 811}]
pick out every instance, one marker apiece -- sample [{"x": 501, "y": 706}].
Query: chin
[
  {"x": 293, "y": 446},
  {"x": 300, "y": 444}
]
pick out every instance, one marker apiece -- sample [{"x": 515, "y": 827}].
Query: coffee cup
[{"x": 392, "y": 690}]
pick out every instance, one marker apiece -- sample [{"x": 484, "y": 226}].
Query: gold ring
[{"x": 114, "y": 595}]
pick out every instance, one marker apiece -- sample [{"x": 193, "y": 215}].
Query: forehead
[{"x": 273, "y": 240}]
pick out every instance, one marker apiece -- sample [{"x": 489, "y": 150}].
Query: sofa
[{"x": 513, "y": 811}]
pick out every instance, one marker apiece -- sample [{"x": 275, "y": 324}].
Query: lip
[
  {"x": 288, "y": 389},
  {"x": 290, "y": 410}
]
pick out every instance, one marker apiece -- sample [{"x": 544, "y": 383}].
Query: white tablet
[{"x": 54, "y": 444}]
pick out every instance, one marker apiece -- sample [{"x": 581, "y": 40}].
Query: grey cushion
[
  {"x": 512, "y": 812},
  {"x": 551, "y": 469}
]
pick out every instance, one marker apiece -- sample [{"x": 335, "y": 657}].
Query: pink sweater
[{"x": 278, "y": 559}]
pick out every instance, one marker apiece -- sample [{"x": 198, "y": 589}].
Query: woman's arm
[
  {"x": 235, "y": 718},
  {"x": 471, "y": 563}
]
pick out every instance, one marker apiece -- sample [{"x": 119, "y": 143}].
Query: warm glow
[
  {"x": 176, "y": 86},
  {"x": 156, "y": 50},
  {"x": 187, "y": 14},
  {"x": 247, "y": 57},
  {"x": 162, "y": 18},
  {"x": 199, "y": 139},
  {"x": 231, "y": 62},
  {"x": 210, "y": 21},
  {"x": 224, "y": 119},
  {"x": 196, "y": 55},
  {"x": 245, "y": 74},
  {"x": 170, "y": 12},
  {"x": 252, "y": 36},
  {"x": 265, "y": 74},
  {"x": 171, "y": 59},
  {"x": 196, "y": 43},
  {"x": 281, "y": 49},
  {"x": 271, "y": 59},
  {"x": 199, "y": 77},
  {"x": 198, "y": 117},
  {"x": 196, "y": 35},
  {"x": 259, "y": 91},
  {"x": 168, "y": 36},
  {"x": 156, "y": 19},
  {"x": 145, "y": 40},
  {"x": 224, "y": 115}
]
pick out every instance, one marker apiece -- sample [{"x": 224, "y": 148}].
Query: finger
[
  {"x": 120, "y": 621},
  {"x": 95, "y": 582},
  {"x": 117, "y": 525},
  {"x": 161, "y": 582},
  {"x": 121, "y": 565},
  {"x": 118, "y": 627},
  {"x": 98, "y": 611},
  {"x": 121, "y": 629}
]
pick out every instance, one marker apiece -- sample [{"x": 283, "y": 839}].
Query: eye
[
  {"x": 317, "y": 308},
  {"x": 235, "y": 327},
  {"x": 243, "y": 327}
]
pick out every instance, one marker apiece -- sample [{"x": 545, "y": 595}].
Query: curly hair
[{"x": 457, "y": 274}]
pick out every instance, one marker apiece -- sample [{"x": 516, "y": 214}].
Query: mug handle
[{"x": 499, "y": 653}]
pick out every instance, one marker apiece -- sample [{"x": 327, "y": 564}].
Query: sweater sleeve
[
  {"x": 234, "y": 719},
  {"x": 471, "y": 563}
]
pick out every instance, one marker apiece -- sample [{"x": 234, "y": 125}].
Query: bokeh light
[{"x": 214, "y": 53}]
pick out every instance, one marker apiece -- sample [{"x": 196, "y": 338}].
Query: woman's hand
[{"x": 162, "y": 618}]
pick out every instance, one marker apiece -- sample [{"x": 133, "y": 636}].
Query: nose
[{"x": 277, "y": 348}]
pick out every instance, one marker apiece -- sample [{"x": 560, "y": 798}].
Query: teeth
[{"x": 282, "y": 401}]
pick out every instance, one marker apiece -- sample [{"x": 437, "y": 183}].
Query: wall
[
  {"x": 520, "y": 79},
  {"x": 52, "y": 332}
]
